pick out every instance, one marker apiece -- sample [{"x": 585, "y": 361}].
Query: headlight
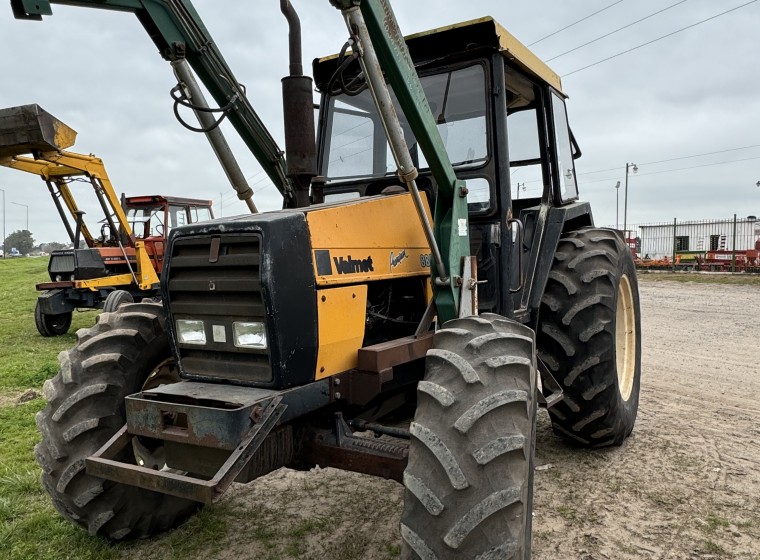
[
  {"x": 249, "y": 335},
  {"x": 191, "y": 332}
]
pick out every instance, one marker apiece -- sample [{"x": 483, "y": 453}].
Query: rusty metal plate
[
  {"x": 201, "y": 414},
  {"x": 104, "y": 464}
]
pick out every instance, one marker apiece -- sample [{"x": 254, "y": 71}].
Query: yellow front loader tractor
[
  {"x": 403, "y": 291},
  {"x": 114, "y": 261}
]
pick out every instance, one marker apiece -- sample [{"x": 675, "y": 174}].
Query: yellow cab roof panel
[{"x": 481, "y": 32}]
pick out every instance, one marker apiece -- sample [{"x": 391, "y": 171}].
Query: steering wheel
[{"x": 105, "y": 233}]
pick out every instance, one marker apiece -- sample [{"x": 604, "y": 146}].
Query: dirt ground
[{"x": 686, "y": 485}]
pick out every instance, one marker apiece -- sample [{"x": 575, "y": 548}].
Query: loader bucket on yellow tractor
[{"x": 29, "y": 128}]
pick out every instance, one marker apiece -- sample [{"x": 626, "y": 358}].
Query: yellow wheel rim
[{"x": 625, "y": 338}]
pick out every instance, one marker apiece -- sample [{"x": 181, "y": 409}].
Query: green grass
[
  {"x": 714, "y": 522},
  {"x": 26, "y": 358},
  {"x": 714, "y": 549},
  {"x": 698, "y": 278},
  {"x": 29, "y": 526}
]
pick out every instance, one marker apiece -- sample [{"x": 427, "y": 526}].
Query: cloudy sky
[{"x": 692, "y": 99}]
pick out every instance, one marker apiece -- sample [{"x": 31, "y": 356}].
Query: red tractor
[{"x": 120, "y": 264}]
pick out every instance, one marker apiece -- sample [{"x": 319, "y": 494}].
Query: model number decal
[{"x": 425, "y": 260}]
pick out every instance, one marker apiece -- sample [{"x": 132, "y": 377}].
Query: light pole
[
  {"x": 625, "y": 204},
  {"x": 27, "y": 213},
  {"x": 3, "y": 191},
  {"x": 617, "y": 205}
]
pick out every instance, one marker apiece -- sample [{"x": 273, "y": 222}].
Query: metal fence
[{"x": 730, "y": 245}]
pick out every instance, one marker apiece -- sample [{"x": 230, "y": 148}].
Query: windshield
[
  {"x": 147, "y": 221},
  {"x": 355, "y": 141}
]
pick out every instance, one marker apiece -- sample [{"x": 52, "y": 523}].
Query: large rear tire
[
  {"x": 470, "y": 472},
  {"x": 51, "y": 325},
  {"x": 118, "y": 356},
  {"x": 589, "y": 336}
]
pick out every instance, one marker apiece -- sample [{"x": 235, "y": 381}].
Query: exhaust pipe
[{"x": 298, "y": 110}]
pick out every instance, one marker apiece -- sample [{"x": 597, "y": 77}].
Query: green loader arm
[
  {"x": 450, "y": 228},
  {"x": 179, "y": 33}
]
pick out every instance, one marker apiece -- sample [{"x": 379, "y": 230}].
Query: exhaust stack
[{"x": 298, "y": 110}]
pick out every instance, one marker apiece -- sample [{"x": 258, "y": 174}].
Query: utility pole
[
  {"x": 625, "y": 207},
  {"x": 3, "y": 191},
  {"x": 221, "y": 204},
  {"x": 617, "y": 205}
]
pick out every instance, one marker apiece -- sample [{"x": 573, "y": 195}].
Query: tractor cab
[
  {"x": 154, "y": 216},
  {"x": 501, "y": 114}
]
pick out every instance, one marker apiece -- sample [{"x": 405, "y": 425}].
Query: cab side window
[
  {"x": 526, "y": 170},
  {"x": 568, "y": 187}
]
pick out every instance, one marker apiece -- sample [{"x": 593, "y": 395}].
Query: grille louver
[{"x": 219, "y": 289}]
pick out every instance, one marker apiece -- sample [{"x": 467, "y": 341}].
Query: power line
[
  {"x": 616, "y": 168},
  {"x": 350, "y": 142},
  {"x": 673, "y": 159},
  {"x": 657, "y": 39},
  {"x": 229, "y": 195},
  {"x": 705, "y": 154},
  {"x": 581, "y": 183},
  {"x": 259, "y": 172},
  {"x": 616, "y": 30},
  {"x": 677, "y": 169},
  {"x": 697, "y": 166},
  {"x": 575, "y": 23}
]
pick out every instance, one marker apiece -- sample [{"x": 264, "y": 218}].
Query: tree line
[{"x": 23, "y": 242}]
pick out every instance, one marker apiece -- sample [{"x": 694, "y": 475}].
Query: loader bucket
[{"x": 29, "y": 128}]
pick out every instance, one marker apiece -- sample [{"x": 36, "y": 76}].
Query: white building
[{"x": 656, "y": 241}]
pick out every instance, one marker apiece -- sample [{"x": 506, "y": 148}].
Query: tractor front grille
[
  {"x": 217, "y": 279},
  {"x": 63, "y": 263}
]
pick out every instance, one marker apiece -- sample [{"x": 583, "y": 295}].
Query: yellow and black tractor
[
  {"x": 404, "y": 290},
  {"x": 121, "y": 264}
]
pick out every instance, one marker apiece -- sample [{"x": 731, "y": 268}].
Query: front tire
[
  {"x": 111, "y": 360},
  {"x": 589, "y": 336},
  {"x": 470, "y": 471},
  {"x": 51, "y": 325},
  {"x": 116, "y": 299}
]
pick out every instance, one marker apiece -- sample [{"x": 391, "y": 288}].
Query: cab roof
[
  {"x": 162, "y": 199},
  {"x": 458, "y": 39}
]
